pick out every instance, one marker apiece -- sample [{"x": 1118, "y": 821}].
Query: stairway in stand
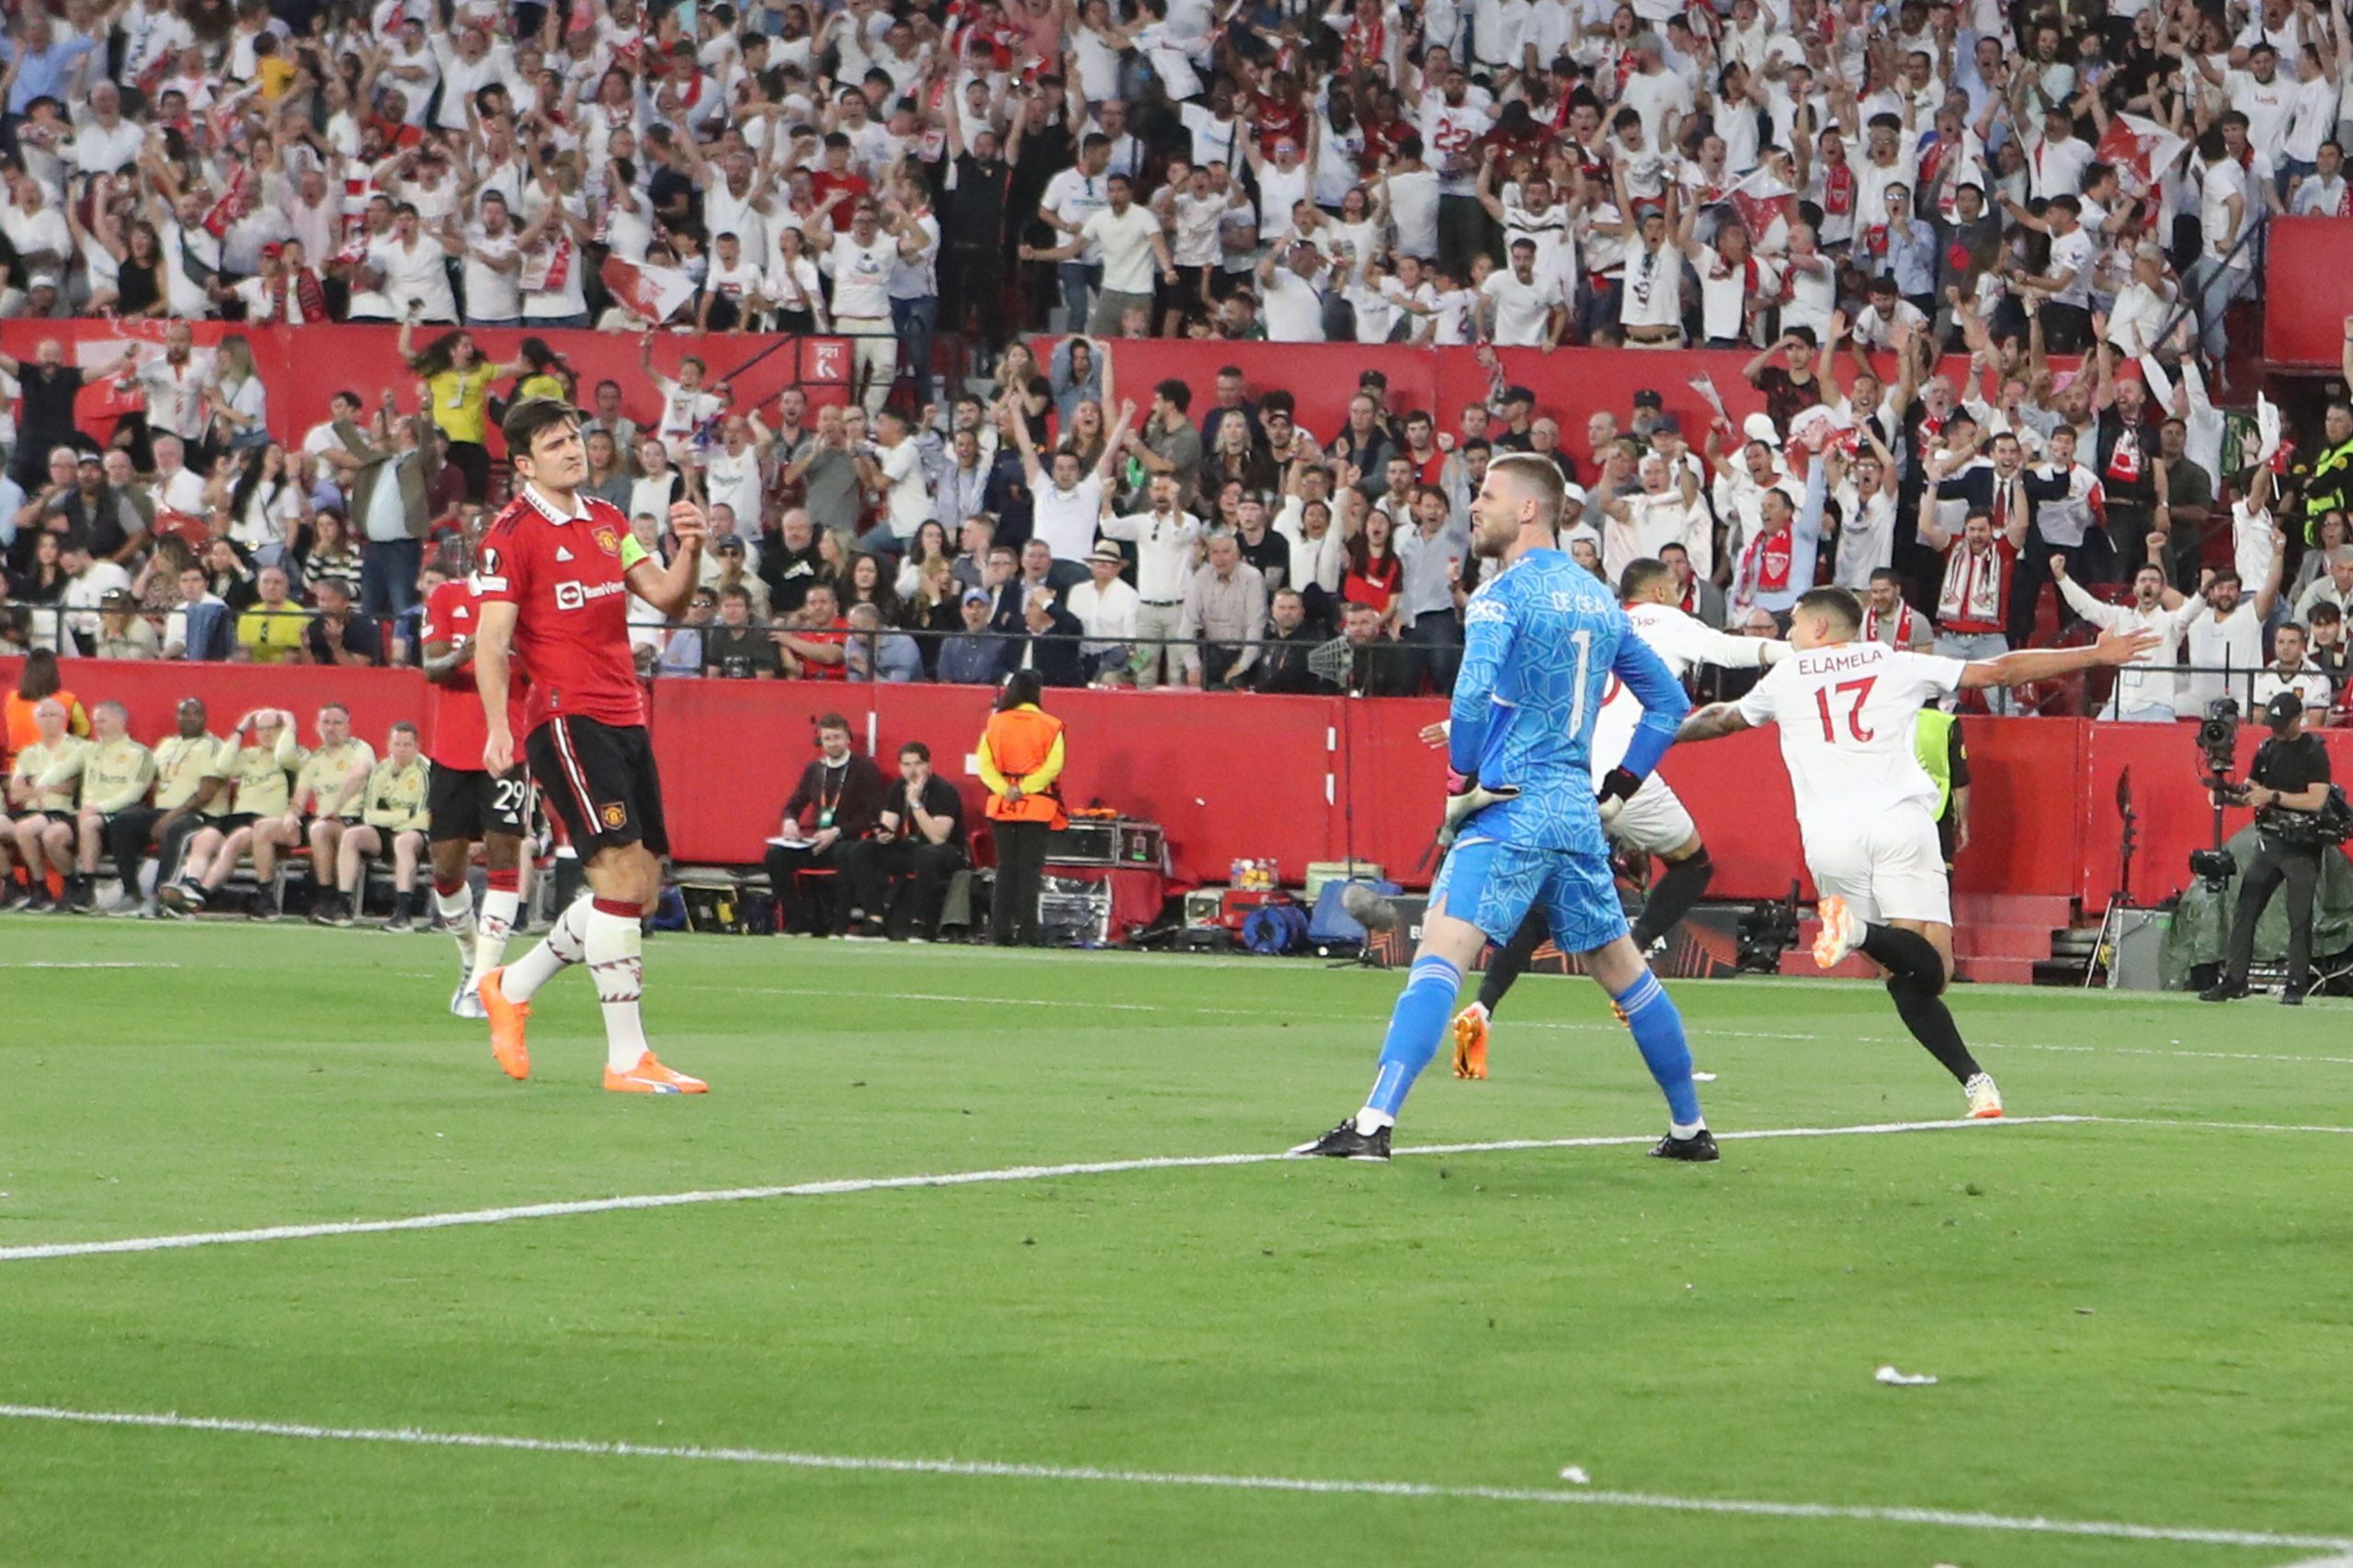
[{"x": 1997, "y": 939}]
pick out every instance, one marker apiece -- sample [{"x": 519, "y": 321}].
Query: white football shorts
[
  {"x": 1653, "y": 820},
  {"x": 1887, "y": 865}
]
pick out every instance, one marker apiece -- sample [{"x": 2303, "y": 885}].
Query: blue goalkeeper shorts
[{"x": 1495, "y": 885}]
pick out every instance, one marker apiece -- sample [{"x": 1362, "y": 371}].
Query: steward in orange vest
[{"x": 1020, "y": 758}]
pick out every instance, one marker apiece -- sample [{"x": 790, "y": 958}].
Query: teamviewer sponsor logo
[{"x": 576, "y": 596}]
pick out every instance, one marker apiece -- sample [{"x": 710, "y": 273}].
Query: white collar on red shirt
[{"x": 546, "y": 508}]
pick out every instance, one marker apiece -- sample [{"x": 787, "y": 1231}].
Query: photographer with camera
[{"x": 2289, "y": 788}]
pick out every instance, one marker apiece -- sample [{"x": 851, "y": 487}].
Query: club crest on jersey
[
  {"x": 613, "y": 814},
  {"x": 608, "y": 541}
]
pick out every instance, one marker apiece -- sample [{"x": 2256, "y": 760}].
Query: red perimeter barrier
[
  {"x": 1298, "y": 778},
  {"x": 1569, "y": 383},
  {"x": 2310, "y": 290},
  {"x": 303, "y": 366}
]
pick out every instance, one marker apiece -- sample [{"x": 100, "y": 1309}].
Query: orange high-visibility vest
[{"x": 1019, "y": 745}]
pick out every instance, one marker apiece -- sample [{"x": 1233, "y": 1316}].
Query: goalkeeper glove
[
  {"x": 1618, "y": 787},
  {"x": 1465, "y": 797}
]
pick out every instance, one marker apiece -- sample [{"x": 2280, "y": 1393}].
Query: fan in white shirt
[
  {"x": 2143, "y": 693},
  {"x": 1522, "y": 309}
]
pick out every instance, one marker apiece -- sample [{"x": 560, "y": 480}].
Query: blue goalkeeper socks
[
  {"x": 1415, "y": 1027},
  {"x": 1658, "y": 1034}
]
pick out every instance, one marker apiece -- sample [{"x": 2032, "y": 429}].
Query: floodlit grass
[{"x": 2138, "y": 1322}]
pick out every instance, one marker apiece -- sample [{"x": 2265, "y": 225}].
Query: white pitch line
[
  {"x": 999, "y": 1469},
  {"x": 837, "y": 1187},
  {"x": 1700, "y": 1029},
  {"x": 47, "y": 964}
]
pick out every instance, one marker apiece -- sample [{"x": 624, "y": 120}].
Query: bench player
[
  {"x": 556, "y": 571},
  {"x": 1541, "y": 642},
  {"x": 1653, "y": 822},
  {"x": 1845, "y": 706},
  {"x": 469, "y": 806}
]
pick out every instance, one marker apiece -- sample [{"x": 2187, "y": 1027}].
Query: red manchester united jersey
[
  {"x": 566, "y": 578},
  {"x": 452, "y": 708}
]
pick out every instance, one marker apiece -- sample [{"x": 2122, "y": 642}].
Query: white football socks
[
  {"x": 565, "y": 945},
  {"x": 615, "y": 947},
  {"x": 456, "y": 912},
  {"x": 494, "y": 926}
]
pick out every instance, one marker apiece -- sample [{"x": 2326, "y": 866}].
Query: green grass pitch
[{"x": 2141, "y": 1321}]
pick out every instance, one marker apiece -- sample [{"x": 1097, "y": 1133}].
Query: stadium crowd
[{"x": 1810, "y": 183}]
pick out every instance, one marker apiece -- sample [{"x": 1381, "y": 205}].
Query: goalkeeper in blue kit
[{"x": 1541, "y": 642}]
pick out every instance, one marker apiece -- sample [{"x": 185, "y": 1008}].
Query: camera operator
[{"x": 2288, "y": 786}]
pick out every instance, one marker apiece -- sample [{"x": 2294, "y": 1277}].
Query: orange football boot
[
  {"x": 506, "y": 1021},
  {"x": 650, "y": 1077},
  {"x": 1471, "y": 1042}
]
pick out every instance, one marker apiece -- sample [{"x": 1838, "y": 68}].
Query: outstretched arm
[
  {"x": 1713, "y": 721},
  {"x": 2038, "y": 664}
]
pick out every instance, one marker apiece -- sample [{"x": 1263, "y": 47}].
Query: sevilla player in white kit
[
  {"x": 1653, "y": 820},
  {"x": 1846, "y": 708}
]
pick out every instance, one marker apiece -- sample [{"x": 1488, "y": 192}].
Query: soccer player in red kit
[
  {"x": 468, "y": 805},
  {"x": 555, "y": 571}
]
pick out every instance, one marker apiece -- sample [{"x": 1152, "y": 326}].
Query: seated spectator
[
  {"x": 1378, "y": 666},
  {"x": 918, "y": 836},
  {"x": 1283, "y": 662},
  {"x": 737, "y": 648},
  {"x": 812, "y": 645},
  {"x": 275, "y": 629},
  {"x": 1106, "y": 608},
  {"x": 123, "y": 633},
  {"x": 335, "y": 635},
  {"x": 2328, "y": 649},
  {"x": 838, "y": 799},
  {"x": 975, "y": 656},
  {"x": 201, "y": 627},
  {"x": 2332, "y": 585},
  {"x": 683, "y": 654},
  {"x": 1052, "y": 647},
  {"x": 2290, "y": 670},
  {"x": 87, "y": 583},
  {"x": 392, "y": 824},
  {"x": 875, "y": 653}
]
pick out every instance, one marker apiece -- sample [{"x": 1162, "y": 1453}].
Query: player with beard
[
  {"x": 1543, "y": 640},
  {"x": 556, "y": 571}
]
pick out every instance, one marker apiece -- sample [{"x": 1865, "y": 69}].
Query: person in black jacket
[
  {"x": 836, "y": 803},
  {"x": 1291, "y": 638},
  {"x": 1054, "y": 633},
  {"x": 1379, "y": 667},
  {"x": 920, "y": 836},
  {"x": 2288, "y": 785}
]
